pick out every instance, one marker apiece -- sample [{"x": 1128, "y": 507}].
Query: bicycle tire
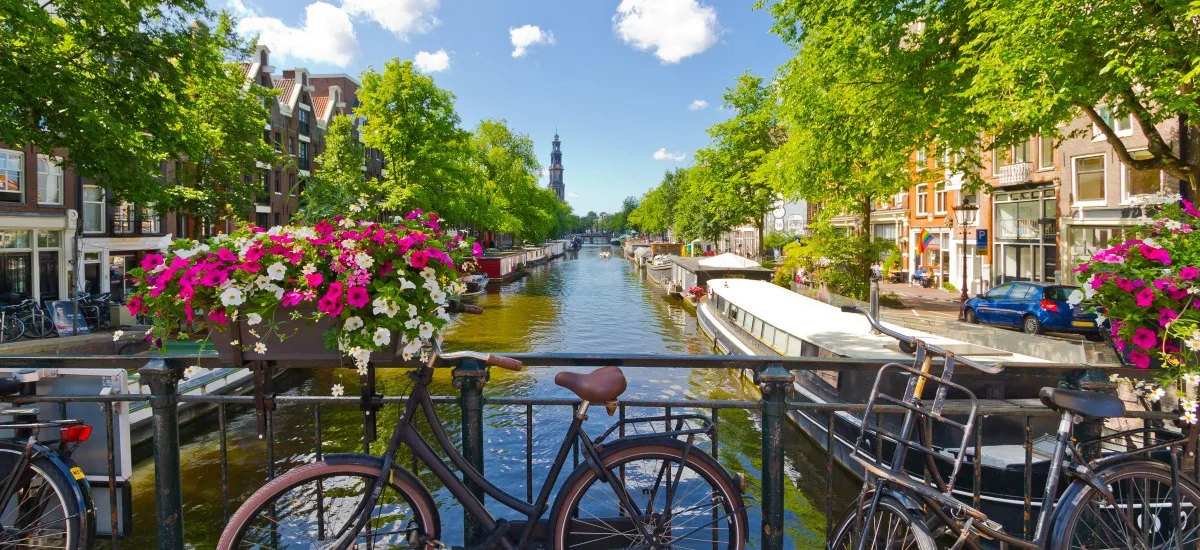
[
  {"x": 891, "y": 516},
  {"x": 64, "y": 521},
  {"x": 568, "y": 529},
  {"x": 424, "y": 524},
  {"x": 1077, "y": 515},
  {"x": 13, "y": 329},
  {"x": 37, "y": 326}
]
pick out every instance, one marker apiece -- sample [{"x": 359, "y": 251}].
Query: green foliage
[
  {"x": 694, "y": 212},
  {"x": 338, "y": 181},
  {"x": 656, "y": 211},
  {"x": 778, "y": 239},
  {"x": 413, "y": 122},
  {"x": 840, "y": 262},
  {"x": 107, "y": 81},
  {"x": 512, "y": 201},
  {"x": 892, "y": 261},
  {"x": 619, "y": 222},
  {"x": 947, "y": 285}
]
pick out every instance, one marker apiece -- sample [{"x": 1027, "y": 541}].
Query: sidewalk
[
  {"x": 903, "y": 289},
  {"x": 98, "y": 343}
]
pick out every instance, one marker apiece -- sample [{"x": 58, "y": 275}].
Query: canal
[{"x": 579, "y": 303}]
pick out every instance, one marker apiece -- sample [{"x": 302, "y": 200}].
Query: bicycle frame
[{"x": 406, "y": 434}]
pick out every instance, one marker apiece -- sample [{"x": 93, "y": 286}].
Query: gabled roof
[
  {"x": 285, "y": 87},
  {"x": 320, "y": 106}
]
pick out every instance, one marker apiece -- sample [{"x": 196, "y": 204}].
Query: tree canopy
[
  {"x": 656, "y": 210},
  {"x": 508, "y": 170},
  {"x": 338, "y": 180}
]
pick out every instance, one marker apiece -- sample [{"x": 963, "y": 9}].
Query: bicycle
[
  {"x": 95, "y": 310},
  {"x": 11, "y": 326},
  {"x": 1122, "y": 499},
  {"x": 45, "y": 499},
  {"x": 682, "y": 495},
  {"x": 37, "y": 323}
]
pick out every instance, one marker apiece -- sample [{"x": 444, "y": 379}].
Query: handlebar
[{"x": 912, "y": 341}]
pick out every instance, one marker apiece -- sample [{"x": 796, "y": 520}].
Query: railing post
[
  {"x": 470, "y": 377},
  {"x": 164, "y": 399},
  {"x": 775, "y": 383}
]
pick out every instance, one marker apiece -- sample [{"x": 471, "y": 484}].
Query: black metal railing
[{"x": 773, "y": 376}]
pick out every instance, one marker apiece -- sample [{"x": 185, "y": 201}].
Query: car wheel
[
  {"x": 1031, "y": 325},
  {"x": 1094, "y": 337},
  {"x": 970, "y": 316}
]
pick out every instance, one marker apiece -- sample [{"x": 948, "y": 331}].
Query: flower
[
  {"x": 1144, "y": 297},
  {"x": 477, "y": 250},
  {"x": 1144, "y": 338},
  {"x": 260, "y": 348},
  {"x": 1166, "y": 316},
  {"x": 253, "y": 318},
  {"x": 1188, "y": 417},
  {"x": 362, "y": 369},
  {"x": 1074, "y": 299},
  {"x": 232, "y": 297},
  {"x": 357, "y": 296},
  {"x": 1189, "y": 272},
  {"x": 338, "y": 390},
  {"x": 1114, "y": 377},
  {"x": 1191, "y": 378},
  {"x": 1139, "y": 359},
  {"x": 117, "y": 334},
  {"x": 419, "y": 259},
  {"x": 364, "y": 260},
  {"x": 353, "y": 323},
  {"x": 1187, "y": 404},
  {"x": 406, "y": 284},
  {"x": 426, "y": 331},
  {"x": 412, "y": 310},
  {"x": 382, "y": 337},
  {"x": 313, "y": 279},
  {"x": 1156, "y": 394},
  {"x": 276, "y": 271},
  {"x": 191, "y": 371}
]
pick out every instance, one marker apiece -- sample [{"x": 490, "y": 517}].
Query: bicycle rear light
[{"x": 75, "y": 434}]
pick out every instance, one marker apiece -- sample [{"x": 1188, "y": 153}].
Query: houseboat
[
  {"x": 555, "y": 249},
  {"x": 535, "y": 255},
  {"x": 752, "y": 317},
  {"x": 503, "y": 267},
  {"x": 476, "y": 285},
  {"x": 692, "y": 272},
  {"x": 659, "y": 268}
]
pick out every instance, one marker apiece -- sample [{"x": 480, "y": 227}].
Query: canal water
[{"x": 580, "y": 303}]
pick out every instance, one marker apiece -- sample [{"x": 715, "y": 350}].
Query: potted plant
[
  {"x": 696, "y": 293},
  {"x": 341, "y": 288},
  {"x": 1146, "y": 288}
]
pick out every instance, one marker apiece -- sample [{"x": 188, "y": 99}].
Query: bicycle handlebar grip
[
  {"x": 474, "y": 310},
  {"x": 850, "y": 309},
  {"x": 504, "y": 362}
]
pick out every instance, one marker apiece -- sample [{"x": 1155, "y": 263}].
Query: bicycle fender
[
  {"x": 80, "y": 489},
  {"x": 398, "y": 472}
]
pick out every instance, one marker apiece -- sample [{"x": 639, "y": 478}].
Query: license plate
[{"x": 1083, "y": 323}]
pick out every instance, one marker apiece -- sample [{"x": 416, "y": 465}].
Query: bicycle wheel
[
  {"x": 43, "y": 512},
  {"x": 892, "y": 528},
  {"x": 37, "y": 326},
  {"x": 1143, "y": 493},
  {"x": 12, "y": 328},
  {"x": 706, "y": 510},
  {"x": 308, "y": 507}
]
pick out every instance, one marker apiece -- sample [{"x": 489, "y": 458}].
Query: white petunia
[
  {"x": 382, "y": 337},
  {"x": 364, "y": 260},
  {"x": 1150, "y": 243},
  {"x": 346, "y": 223},
  {"x": 412, "y": 310},
  {"x": 412, "y": 323},
  {"x": 338, "y": 390},
  {"x": 309, "y": 269},
  {"x": 353, "y": 323},
  {"x": 406, "y": 284},
  {"x": 412, "y": 348},
  {"x": 456, "y": 288},
  {"x": 360, "y": 355},
  {"x": 379, "y": 306},
  {"x": 260, "y": 348},
  {"x": 428, "y": 273},
  {"x": 349, "y": 244},
  {"x": 438, "y": 296},
  {"x": 392, "y": 310},
  {"x": 276, "y": 271},
  {"x": 253, "y": 318},
  {"x": 426, "y": 331},
  {"x": 117, "y": 334},
  {"x": 1100, "y": 319},
  {"x": 232, "y": 297},
  {"x": 1075, "y": 298},
  {"x": 355, "y": 208}
]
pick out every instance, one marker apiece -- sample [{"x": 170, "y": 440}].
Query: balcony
[{"x": 1015, "y": 174}]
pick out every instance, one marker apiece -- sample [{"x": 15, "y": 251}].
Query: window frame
[
  {"x": 149, "y": 216},
  {"x": 1126, "y": 198},
  {"x": 922, "y": 159},
  {"x": 1076, "y": 201},
  {"x": 20, "y": 191},
  {"x": 45, "y": 176},
  {"x": 1042, "y": 164},
  {"x": 921, "y": 196},
  {"x": 103, "y": 209},
  {"x": 940, "y": 198},
  {"x": 1106, "y": 113},
  {"x": 125, "y": 224}
]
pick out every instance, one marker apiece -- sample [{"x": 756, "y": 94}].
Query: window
[
  {"x": 1023, "y": 292},
  {"x": 922, "y": 159},
  {"x": 291, "y": 146},
  {"x": 1020, "y": 153},
  {"x": 123, "y": 218},
  {"x": 1122, "y": 125},
  {"x": 50, "y": 181},
  {"x": 278, "y": 181},
  {"x": 151, "y": 223},
  {"x": 277, "y": 219},
  {"x": 12, "y": 163},
  {"x": 1089, "y": 179},
  {"x": 939, "y": 198},
  {"x": 999, "y": 158},
  {"x": 1136, "y": 182},
  {"x": 303, "y": 118},
  {"x": 93, "y": 209},
  {"x": 292, "y": 184},
  {"x": 922, "y": 199},
  {"x": 1046, "y": 153},
  {"x": 303, "y": 155},
  {"x": 49, "y": 239},
  {"x": 278, "y": 142},
  {"x": 262, "y": 219},
  {"x": 999, "y": 291},
  {"x": 899, "y": 199}
]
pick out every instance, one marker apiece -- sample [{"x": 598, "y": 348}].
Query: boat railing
[{"x": 775, "y": 488}]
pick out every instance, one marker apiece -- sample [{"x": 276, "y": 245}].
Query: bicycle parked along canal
[
  {"x": 1133, "y": 498},
  {"x": 654, "y": 490}
]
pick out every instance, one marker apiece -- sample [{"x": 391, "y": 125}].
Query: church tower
[{"x": 556, "y": 169}]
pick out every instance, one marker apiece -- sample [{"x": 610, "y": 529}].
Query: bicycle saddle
[
  {"x": 10, "y": 386},
  {"x": 599, "y": 386},
  {"x": 1085, "y": 403}
]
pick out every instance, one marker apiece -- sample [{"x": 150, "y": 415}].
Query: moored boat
[{"x": 476, "y": 284}]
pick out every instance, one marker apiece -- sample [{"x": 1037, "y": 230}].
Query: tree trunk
[{"x": 759, "y": 224}]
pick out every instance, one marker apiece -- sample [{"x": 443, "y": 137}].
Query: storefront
[
  {"x": 107, "y": 260},
  {"x": 935, "y": 258},
  {"x": 1025, "y": 232},
  {"x": 33, "y": 261}
]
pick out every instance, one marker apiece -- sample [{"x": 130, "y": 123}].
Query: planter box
[{"x": 304, "y": 340}]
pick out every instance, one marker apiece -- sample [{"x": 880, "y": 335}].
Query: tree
[
  {"x": 107, "y": 81},
  {"x": 940, "y": 74},
  {"x": 338, "y": 180},
  {"x": 414, "y": 124},
  {"x": 694, "y": 218},
  {"x": 656, "y": 211},
  {"x": 738, "y": 190},
  {"x": 507, "y": 170},
  {"x": 833, "y": 260},
  {"x": 222, "y": 116}
]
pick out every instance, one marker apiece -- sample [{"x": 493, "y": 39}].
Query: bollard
[
  {"x": 470, "y": 377},
  {"x": 874, "y": 301},
  {"x": 164, "y": 400},
  {"x": 775, "y": 383}
]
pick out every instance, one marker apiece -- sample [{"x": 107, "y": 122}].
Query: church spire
[{"x": 556, "y": 167}]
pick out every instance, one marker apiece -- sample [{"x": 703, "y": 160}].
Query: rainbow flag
[{"x": 923, "y": 241}]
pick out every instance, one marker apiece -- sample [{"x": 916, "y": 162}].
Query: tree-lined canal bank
[{"x": 581, "y": 303}]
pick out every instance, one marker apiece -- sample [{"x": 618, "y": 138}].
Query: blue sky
[{"x": 617, "y": 77}]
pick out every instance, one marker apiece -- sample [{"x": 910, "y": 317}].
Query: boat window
[
  {"x": 795, "y": 346},
  {"x": 768, "y": 334},
  {"x": 781, "y": 341}
]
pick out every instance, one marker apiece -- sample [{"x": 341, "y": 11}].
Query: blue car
[{"x": 1032, "y": 307}]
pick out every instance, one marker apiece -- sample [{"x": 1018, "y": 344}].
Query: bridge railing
[{"x": 773, "y": 376}]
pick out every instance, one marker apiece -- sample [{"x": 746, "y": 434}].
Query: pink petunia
[
  {"x": 214, "y": 277},
  {"x": 1139, "y": 359},
  {"x": 1155, "y": 254},
  {"x": 1190, "y": 208},
  {"x": 1144, "y": 338},
  {"x": 250, "y": 267},
  {"x": 1124, "y": 284},
  {"x": 189, "y": 312},
  {"x": 134, "y": 304},
  {"x": 1144, "y": 297},
  {"x": 405, "y": 244},
  {"x": 419, "y": 259},
  {"x": 1189, "y": 272},
  {"x": 291, "y": 298},
  {"x": 314, "y": 279},
  {"x": 254, "y": 254},
  {"x": 413, "y": 215},
  {"x": 218, "y": 316},
  {"x": 331, "y": 305},
  {"x": 226, "y": 255},
  {"x": 335, "y": 289},
  {"x": 1166, "y": 315},
  {"x": 152, "y": 261},
  {"x": 357, "y": 296},
  {"x": 477, "y": 250}
]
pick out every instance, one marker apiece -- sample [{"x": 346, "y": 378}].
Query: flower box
[{"x": 302, "y": 340}]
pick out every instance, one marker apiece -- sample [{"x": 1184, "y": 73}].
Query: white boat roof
[
  {"x": 728, "y": 259},
  {"x": 841, "y": 333}
]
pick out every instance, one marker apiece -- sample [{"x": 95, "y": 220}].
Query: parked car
[{"x": 1032, "y": 307}]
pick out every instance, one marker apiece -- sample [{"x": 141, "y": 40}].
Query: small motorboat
[
  {"x": 476, "y": 284},
  {"x": 604, "y": 254}
]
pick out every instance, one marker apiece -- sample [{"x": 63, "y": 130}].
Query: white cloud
[
  {"x": 432, "y": 62},
  {"x": 573, "y": 195},
  {"x": 527, "y": 36},
  {"x": 663, "y": 154},
  {"x": 402, "y": 18},
  {"x": 674, "y": 29},
  {"x": 698, "y": 104},
  {"x": 326, "y": 36}
]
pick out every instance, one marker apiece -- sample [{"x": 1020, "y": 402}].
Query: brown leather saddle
[{"x": 599, "y": 386}]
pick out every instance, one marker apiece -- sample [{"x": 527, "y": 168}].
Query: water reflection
[{"x": 580, "y": 304}]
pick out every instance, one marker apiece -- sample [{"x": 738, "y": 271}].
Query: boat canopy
[
  {"x": 729, "y": 259},
  {"x": 831, "y": 329}
]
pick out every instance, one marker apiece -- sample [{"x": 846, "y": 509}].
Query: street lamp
[{"x": 964, "y": 214}]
